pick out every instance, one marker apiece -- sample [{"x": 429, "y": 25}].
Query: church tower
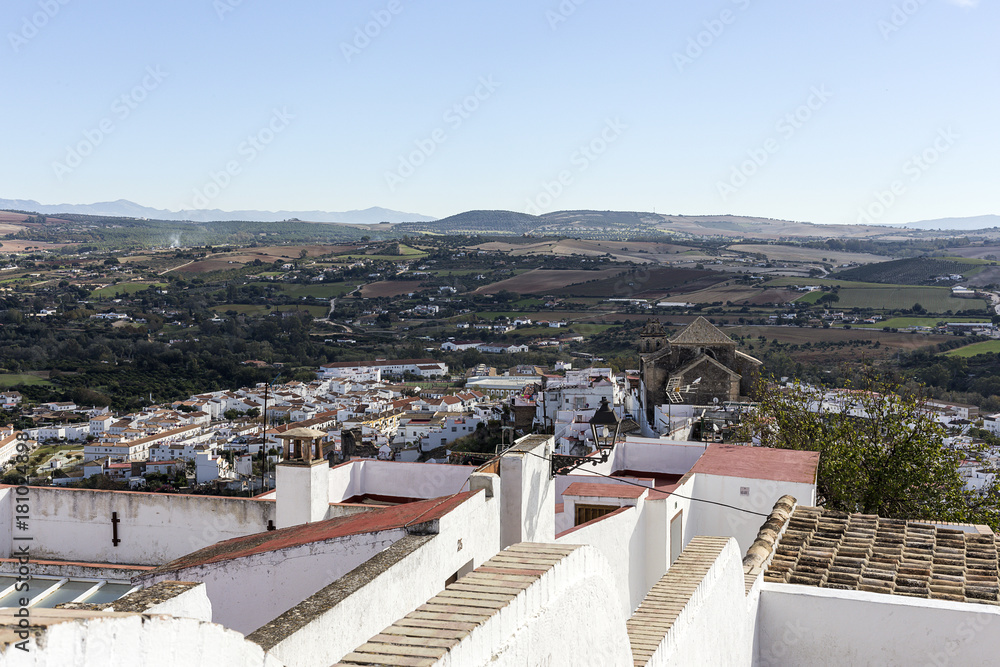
[{"x": 652, "y": 338}]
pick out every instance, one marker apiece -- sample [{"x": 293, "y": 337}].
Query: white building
[{"x": 666, "y": 554}]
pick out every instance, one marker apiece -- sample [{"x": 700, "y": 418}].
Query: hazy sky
[{"x": 816, "y": 111}]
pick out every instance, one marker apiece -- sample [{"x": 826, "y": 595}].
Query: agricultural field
[
  {"x": 738, "y": 295},
  {"x": 317, "y": 291},
  {"x": 256, "y": 309},
  {"x": 903, "y": 322},
  {"x": 646, "y": 283},
  {"x": 11, "y": 380},
  {"x": 122, "y": 289},
  {"x": 915, "y": 270},
  {"x": 546, "y": 281},
  {"x": 621, "y": 251},
  {"x": 787, "y": 253},
  {"x": 891, "y": 297},
  {"x": 986, "y": 347},
  {"x": 390, "y": 288}
]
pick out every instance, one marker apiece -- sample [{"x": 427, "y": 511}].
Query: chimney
[
  {"x": 302, "y": 479},
  {"x": 527, "y": 491}
]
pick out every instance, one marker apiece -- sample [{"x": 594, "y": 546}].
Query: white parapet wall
[
  {"x": 99, "y": 639},
  {"x": 77, "y": 524},
  {"x": 396, "y": 479},
  {"x": 804, "y": 625}
]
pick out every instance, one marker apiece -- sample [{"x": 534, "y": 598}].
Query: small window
[{"x": 585, "y": 513}]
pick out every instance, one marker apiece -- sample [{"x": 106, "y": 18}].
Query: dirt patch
[
  {"x": 22, "y": 246},
  {"x": 646, "y": 283},
  {"x": 389, "y": 288},
  {"x": 546, "y": 280}
]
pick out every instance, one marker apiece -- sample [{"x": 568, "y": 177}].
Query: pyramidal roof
[{"x": 701, "y": 332}]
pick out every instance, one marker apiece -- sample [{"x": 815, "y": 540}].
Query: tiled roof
[
  {"x": 372, "y": 521},
  {"x": 701, "y": 332},
  {"x": 780, "y": 465},
  {"x": 868, "y": 553},
  {"x": 426, "y": 635},
  {"x": 588, "y": 489},
  {"x": 667, "y": 598}
]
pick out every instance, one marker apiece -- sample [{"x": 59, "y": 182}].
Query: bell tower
[{"x": 652, "y": 337}]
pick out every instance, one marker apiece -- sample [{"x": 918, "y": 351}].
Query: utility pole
[{"x": 263, "y": 439}]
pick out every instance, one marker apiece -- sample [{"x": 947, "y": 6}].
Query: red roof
[
  {"x": 589, "y": 489},
  {"x": 376, "y": 520},
  {"x": 781, "y": 465}
]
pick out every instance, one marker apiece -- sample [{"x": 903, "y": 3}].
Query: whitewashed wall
[
  {"x": 803, "y": 625},
  {"x": 563, "y": 620},
  {"x": 131, "y": 639},
  {"x": 763, "y": 493},
  {"x": 471, "y": 532},
  {"x": 672, "y": 457},
  {"x": 398, "y": 479},
  {"x": 248, "y": 592},
  {"x": 75, "y": 524},
  {"x": 716, "y": 627}
]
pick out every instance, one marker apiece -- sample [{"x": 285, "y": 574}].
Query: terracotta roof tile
[
  {"x": 782, "y": 465},
  {"x": 387, "y": 518},
  {"x": 862, "y": 552}
]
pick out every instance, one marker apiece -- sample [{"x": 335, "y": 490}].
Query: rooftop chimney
[{"x": 302, "y": 479}]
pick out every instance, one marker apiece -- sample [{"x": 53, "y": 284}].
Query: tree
[{"x": 880, "y": 452}]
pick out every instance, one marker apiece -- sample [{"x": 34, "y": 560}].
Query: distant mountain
[
  {"x": 632, "y": 224},
  {"x": 478, "y": 222},
  {"x": 127, "y": 209},
  {"x": 958, "y": 224}
]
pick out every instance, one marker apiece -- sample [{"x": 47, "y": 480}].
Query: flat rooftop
[{"x": 780, "y": 465}]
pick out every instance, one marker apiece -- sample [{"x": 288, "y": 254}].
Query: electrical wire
[{"x": 650, "y": 488}]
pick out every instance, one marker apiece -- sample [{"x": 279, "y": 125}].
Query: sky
[{"x": 874, "y": 111}]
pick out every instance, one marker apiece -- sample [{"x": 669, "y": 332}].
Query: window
[{"x": 585, "y": 513}]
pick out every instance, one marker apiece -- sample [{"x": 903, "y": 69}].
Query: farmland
[
  {"x": 986, "y": 347},
  {"x": 791, "y": 253},
  {"x": 390, "y": 288},
  {"x": 914, "y": 271},
  {"x": 122, "y": 289},
  {"x": 14, "y": 379},
  {"x": 546, "y": 281},
  {"x": 646, "y": 283}
]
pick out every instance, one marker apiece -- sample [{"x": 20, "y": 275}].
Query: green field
[
  {"x": 903, "y": 322},
  {"x": 318, "y": 291},
  {"x": 986, "y": 347},
  {"x": 891, "y": 297},
  {"x": 381, "y": 258},
  {"x": 253, "y": 309},
  {"x": 123, "y": 289},
  {"x": 12, "y": 380}
]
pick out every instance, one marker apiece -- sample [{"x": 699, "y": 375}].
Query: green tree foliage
[{"x": 880, "y": 452}]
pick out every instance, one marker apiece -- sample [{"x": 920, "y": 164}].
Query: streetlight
[{"x": 604, "y": 427}]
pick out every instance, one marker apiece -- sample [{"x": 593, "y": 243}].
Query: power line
[{"x": 672, "y": 493}]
